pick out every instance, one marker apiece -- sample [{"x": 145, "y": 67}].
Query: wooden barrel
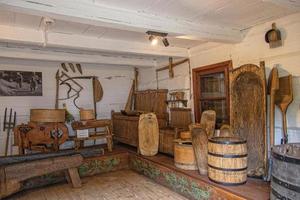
[
  {"x": 184, "y": 156},
  {"x": 285, "y": 181},
  {"x": 47, "y": 115},
  {"x": 227, "y": 160},
  {"x": 86, "y": 114}
]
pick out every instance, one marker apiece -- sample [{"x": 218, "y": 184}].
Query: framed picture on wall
[{"x": 20, "y": 83}]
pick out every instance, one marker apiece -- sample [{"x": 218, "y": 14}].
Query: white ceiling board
[
  {"x": 27, "y": 21},
  {"x": 93, "y": 14},
  {"x": 74, "y": 41},
  {"x": 7, "y": 17},
  {"x": 68, "y": 27}
]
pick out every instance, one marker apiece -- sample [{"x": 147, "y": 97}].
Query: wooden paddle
[
  {"x": 208, "y": 119},
  {"x": 283, "y": 98},
  {"x": 273, "y": 86},
  {"x": 199, "y": 141}
]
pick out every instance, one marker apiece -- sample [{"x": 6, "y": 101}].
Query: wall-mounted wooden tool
[
  {"x": 72, "y": 67},
  {"x": 283, "y": 98},
  {"x": 273, "y": 86},
  {"x": 78, "y": 66},
  {"x": 171, "y": 65},
  {"x": 97, "y": 93},
  {"x": 64, "y": 67},
  {"x": 8, "y": 125}
]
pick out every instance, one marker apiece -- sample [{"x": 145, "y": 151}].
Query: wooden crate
[
  {"x": 125, "y": 128},
  {"x": 151, "y": 101},
  {"x": 180, "y": 117}
]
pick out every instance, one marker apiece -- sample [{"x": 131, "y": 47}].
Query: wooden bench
[{"x": 16, "y": 169}]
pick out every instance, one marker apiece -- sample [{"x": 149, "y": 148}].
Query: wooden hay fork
[{"x": 8, "y": 126}]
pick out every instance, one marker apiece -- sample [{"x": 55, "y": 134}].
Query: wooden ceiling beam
[
  {"x": 291, "y": 4},
  {"x": 34, "y": 53},
  {"x": 87, "y": 12},
  {"x": 59, "y": 40}
]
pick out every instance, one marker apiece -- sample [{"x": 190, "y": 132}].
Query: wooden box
[
  {"x": 125, "y": 128},
  {"x": 151, "y": 101},
  {"x": 180, "y": 117}
]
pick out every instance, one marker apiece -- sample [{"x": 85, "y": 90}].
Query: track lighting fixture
[
  {"x": 153, "y": 40},
  {"x": 154, "y": 36},
  {"x": 165, "y": 41}
]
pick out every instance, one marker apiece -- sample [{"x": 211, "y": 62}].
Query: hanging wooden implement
[
  {"x": 64, "y": 67},
  {"x": 171, "y": 65},
  {"x": 78, "y": 66},
  {"x": 248, "y": 113},
  {"x": 273, "y": 86},
  {"x": 97, "y": 93},
  {"x": 131, "y": 95},
  {"x": 283, "y": 98},
  {"x": 72, "y": 67}
]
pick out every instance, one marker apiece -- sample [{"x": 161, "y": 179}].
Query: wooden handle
[{"x": 284, "y": 127}]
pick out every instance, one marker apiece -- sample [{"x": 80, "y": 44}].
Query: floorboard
[{"x": 119, "y": 185}]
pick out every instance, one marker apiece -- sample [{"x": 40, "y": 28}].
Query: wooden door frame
[{"x": 208, "y": 69}]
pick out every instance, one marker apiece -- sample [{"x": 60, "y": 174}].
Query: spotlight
[
  {"x": 166, "y": 42},
  {"x": 153, "y": 40},
  {"x": 154, "y": 36}
]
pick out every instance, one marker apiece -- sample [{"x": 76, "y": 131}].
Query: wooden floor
[{"x": 124, "y": 184}]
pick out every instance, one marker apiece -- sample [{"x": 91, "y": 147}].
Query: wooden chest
[{"x": 125, "y": 128}]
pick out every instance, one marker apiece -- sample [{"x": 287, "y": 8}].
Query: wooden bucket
[
  {"x": 86, "y": 114},
  {"x": 185, "y": 135},
  {"x": 47, "y": 115},
  {"x": 184, "y": 156},
  {"x": 227, "y": 160},
  {"x": 285, "y": 181}
]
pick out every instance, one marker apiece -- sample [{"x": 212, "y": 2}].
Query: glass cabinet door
[{"x": 211, "y": 91}]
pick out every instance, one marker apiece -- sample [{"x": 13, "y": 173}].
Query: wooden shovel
[
  {"x": 199, "y": 141},
  {"x": 273, "y": 86},
  {"x": 283, "y": 98}
]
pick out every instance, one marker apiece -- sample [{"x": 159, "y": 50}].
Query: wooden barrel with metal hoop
[
  {"x": 184, "y": 156},
  {"x": 86, "y": 114},
  {"x": 285, "y": 181},
  {"x": 227, "y": 160}
]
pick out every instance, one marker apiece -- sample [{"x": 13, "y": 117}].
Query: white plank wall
[
  {"x": 115, "y": 89},
  {"x": 252, "y": 50}
]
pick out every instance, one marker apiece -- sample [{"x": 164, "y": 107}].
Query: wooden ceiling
[{"x": 118, "y": 26}]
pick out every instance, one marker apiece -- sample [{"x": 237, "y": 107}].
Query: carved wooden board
[
  {"x": 148, "y": 134},
  {"x": 248, "y": 113}
]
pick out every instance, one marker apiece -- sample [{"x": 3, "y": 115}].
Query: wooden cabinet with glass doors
[{"x": 210, "y": 85}]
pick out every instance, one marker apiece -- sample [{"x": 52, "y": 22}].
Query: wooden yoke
[{"x": 171, "y": 65}]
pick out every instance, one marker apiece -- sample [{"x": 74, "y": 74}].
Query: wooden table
[{"x": 94, "y": 124}]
